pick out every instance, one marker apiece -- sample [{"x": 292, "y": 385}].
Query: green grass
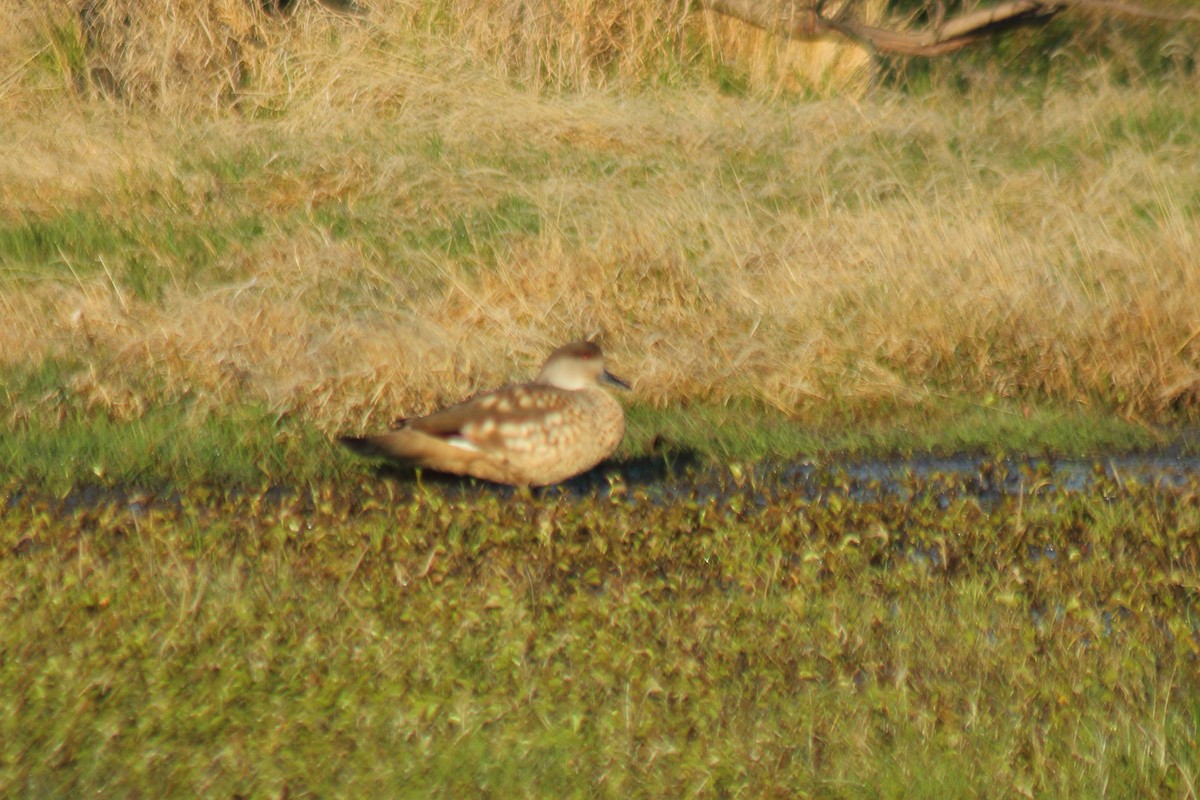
[
  {"x": 233, "y": 447},
  {"x": 430, "y": 645},
  {"x": 62, "y": 441},
  {"x": 747, "y": 431},
  {"x": 140, "y": 253},
  {"x": 179, "y": 441},
  {"x": 58, "y": 439}
]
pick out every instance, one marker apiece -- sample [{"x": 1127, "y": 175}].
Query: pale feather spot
[
  {"x": 512, "y": 430},
  {"x": 463, "y": 444},
  {"x": 515, "y": 439}
]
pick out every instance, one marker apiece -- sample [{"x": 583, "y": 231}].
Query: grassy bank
[
  {"x": 436, "y": 645},
  {"x": 396, "y": 226},
  {"x": 247, "y": 445}
]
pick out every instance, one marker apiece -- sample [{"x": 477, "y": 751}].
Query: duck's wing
[{"x": 488, "y": 421}]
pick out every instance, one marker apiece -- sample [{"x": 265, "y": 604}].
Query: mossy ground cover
[{"x": 738, "y": 636}]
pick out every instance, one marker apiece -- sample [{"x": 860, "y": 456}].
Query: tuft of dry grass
[{"x": 781, "y": 66}]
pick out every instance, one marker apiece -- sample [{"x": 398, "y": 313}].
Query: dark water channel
[
  {"x": 987, "y": 479},
  {"x": 678, "y": 476}
]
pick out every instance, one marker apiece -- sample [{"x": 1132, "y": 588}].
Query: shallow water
[
  {"x": 667, "y": 478},
  {"x": 991, "y": 478},
  {"x": 982, "y": 477}
]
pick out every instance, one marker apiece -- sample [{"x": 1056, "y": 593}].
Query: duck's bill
[{"x": 613, "y": 380}]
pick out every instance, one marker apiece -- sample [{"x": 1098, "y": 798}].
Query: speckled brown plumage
[{"x": 536, "y": 434}]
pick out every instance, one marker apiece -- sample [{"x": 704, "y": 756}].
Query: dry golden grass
[
  {"x": 208, "y": 54},
  {"x": 890, "y": 249},
  {"x": 780, "y": 66}
]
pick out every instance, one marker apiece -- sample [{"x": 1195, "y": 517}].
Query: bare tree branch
[
  {"x": 806, "y": 19},
  {"x": 1135, "y": 10},
  {"x": 955, "y": 33}
]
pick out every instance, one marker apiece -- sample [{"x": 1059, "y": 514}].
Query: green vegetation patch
[
  {"x": 168, "y": 445},
  {"x": 142, "y": 252},
  {"x": 64, "y": 441},
  {"x": 728, "y": 640},
  {"x": 479, "y": 231},
  {"x": 749, "y": 431}
]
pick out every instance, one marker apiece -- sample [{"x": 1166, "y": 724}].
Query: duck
[{"x": 562, "y": 424}]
